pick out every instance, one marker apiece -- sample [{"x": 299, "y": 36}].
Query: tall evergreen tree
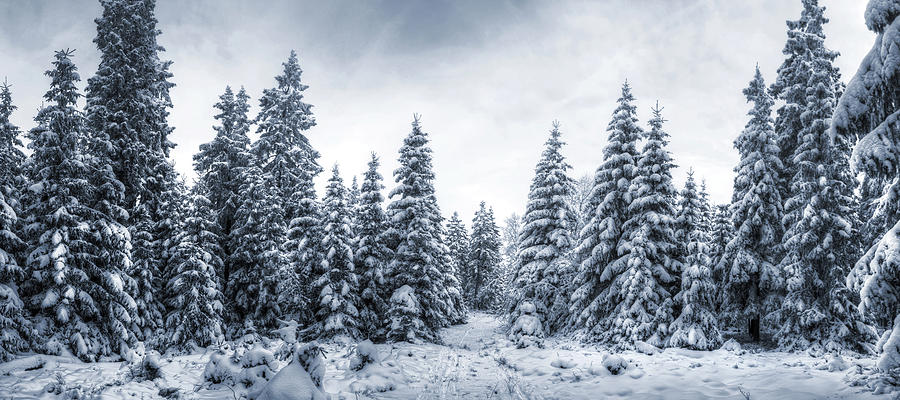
[
  {"x": 11, "y": 156},
  {"x": 426, "y": 293},
  {"x": 458, "y": 244},
  {"x": 609, "y": 204},
  {"x": 372, "y": 254},
  {"x": 336, "y": 283},
  {"x": 721, "y": 233},
  {"x": 697, "y": 324},
  {"x": 484, "y": 258},
  {"x": 195, "y": 298},
  {"x": 750, "y": 259},
  {"x": 84, "y": 296},
  {"x": 220, "y": 164},
  {"x": 544, "y": 241},
  {"x": 817, "y": 309},
  {"x": 641, "y": 291}
]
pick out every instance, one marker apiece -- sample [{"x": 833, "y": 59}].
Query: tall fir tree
[
  {"x": 541, "y": 264},
  {"x": 484, "y": 259},
  {"x": 85, "y": 298},
  {"x": 647, "y": 271},
  {"x": 458, "y": 244},
  {"x": 336, "y": 283},
  {"x": 195, "y": 297},
  {"x": 819, "y": 216},
  {"x": 11, "y": 155},
  {"x": 426, "y": 294},
  {"x": 721, "y": 233},
  {"x": 750, "y": 258},
  {"x": 609, "y": 203},
  {"x": 220, "y": 164},
  {"x": 697, "y": 325},
  {"x": 372, "y": 254}
]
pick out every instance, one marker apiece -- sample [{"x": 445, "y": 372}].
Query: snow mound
[
  {"x": 833, "y": 363},
  {"x": 370, "y": 374},
  {"x": 614, "y": 363},
  {"x": 646, "y": 348},
  {"x": 563, "y": 364},
  {"x": 365, "y": 354},
  {"x": 220, "y": 369},
  {"x": 300, "y": 380},
  {"x": 731, "y": 345}
]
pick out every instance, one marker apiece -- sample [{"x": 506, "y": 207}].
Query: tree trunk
[{"x": 754, "y": 328}]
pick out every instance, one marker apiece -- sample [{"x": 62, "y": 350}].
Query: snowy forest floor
[{"x": 478, "y": 362}]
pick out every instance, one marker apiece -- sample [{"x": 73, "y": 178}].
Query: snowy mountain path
[{"x": 476, "y": 361}]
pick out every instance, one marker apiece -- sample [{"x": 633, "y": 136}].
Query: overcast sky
[{"x": 488, "y": 77}]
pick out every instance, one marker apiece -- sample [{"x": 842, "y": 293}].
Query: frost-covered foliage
[
  {"x": 336, "y": 284},
  {"x": 86, "y": 302},
  {"x": 484, "y": 259},
  {"x": 868, "y": 110},
  {"x": 818, "y": 308},
  {"x": 220, "y": 164},
  {"x": 526, "y": 330},
  {"x": 645, "y": 275},
  {"x": 544, "y": 240},
  {"x": 421, "y": 261},
  {"x": 257, "y": 253},
  {"x": 597, "y": 255},
  {"x": 194, "y": 296},
  {"x": 750, "y": 258},
  {"x": 697, "y": 325},
  {"x": 371, "y": 254},
  {"x": 458, "y": 245}
]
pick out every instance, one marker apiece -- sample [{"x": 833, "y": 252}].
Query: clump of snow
[
  {"x": 220, "y": 369},
  {"x": 614, "y": 363},
  {"x": 645, "y": 348},
  {"x": 731, "y": 345},
  {"x": 563, "y": 363},
  {"x": 288, "y": 331},
  {"x": 299, "y": 380},
  {"x": 527, "y": 331},
  {"x": 258, "y": 367},
  {"x": 147, "y": 369},
  {"x": 365, "y": 354},
  {"x": 833, "y": 363}
]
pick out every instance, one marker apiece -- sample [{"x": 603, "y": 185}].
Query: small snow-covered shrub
[
  {"x": 300, "y": 380},
  {"x": 833, "y": 363},
  {"x": 257, "y": 367},
  {"x": 731, "y": 345},
  {"x": 614, "y": 363},
  {"x": 365, "y": 354},
  {"x": 562, "y": 363},
  {"x": 147, "y": 369},
  {"x": 220, "y": 369},
  {"x": 527, "y": 331},
  {"x": 645, "y": 348}
]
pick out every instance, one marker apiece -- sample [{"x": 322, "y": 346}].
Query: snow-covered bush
[
  {"x": 301, "y": 379},
  {"x": 257, "y": 367},
  {"x": 364, "y": 354},
  {"x": 527, "y": 330},
  {"x": 614, "y": 363}
]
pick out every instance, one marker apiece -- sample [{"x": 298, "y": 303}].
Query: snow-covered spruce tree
[
  {"x": 11, "y": 156},
  {"x": 127, "y": 104},
  {"x": 458, "y": 244},
  {"x": 15, "y": 328},
  {"x": 721, "y": 233},
  {"x": 641, "y": 294},
  {"x": 697, "y": 326},
  {"x": 817, "y": 310},
  {"x": 706, "y": 210},
  {"x": 303, "y": 250},
  {"x": 484, "y": 258},
  {"x": 426, "y": 294},
  {"x": 194, "y": 297},
  {"x": 257, "y": 254},
  {"x": 85, "y": 300},
  {"x": 599, "y": 239},
  {"x": 543, "y": 242},
  {"x": 372, "y": 254},
  {"x": 750, "y": 258},
  {"x": 509, "y": 236},
  {"x": 578, "y": 202},
  {"x": 336, "y": 283},
  {"x": 868, "y": 110},
  {"x": 219, "y": 165}
]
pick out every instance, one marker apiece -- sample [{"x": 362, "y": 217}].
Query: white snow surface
[{"x": 477, "y": 361}]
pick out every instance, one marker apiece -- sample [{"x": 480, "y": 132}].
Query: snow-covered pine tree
[
  {"x": 458, "y": 244},
  {"x": 750, "y": 258},
  {"x": 697, "y": 325},
  {"x": 303, "y": 250},
  {"x": 426, "y": 294},
  {"x": 257, "y": 254},
  {"x": 15, "y": 328},
  {"x": 11, "y": 156},
  {"x": 509, "y": 236},
  {"x": 706, "y": 210},
  {"x": 817, "y": 310},
  {"x": 721, "y": 232},
  {"x": 542, "y": 260},
  {"x": 194, "y": 296},
  {"x": 867, "y": 110},
  {"x": 641, "y": 293},
  {"x": 86, "y": 300},
  {"x": 484, "y": 259},
  {"x": 372, "y": 254},
  {"x": 219, "y": 165},
  {"x": 608, "y": 204},
  {"x": 336, "y": 284}
]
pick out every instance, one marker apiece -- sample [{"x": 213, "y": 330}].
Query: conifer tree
[
  {"x": 609, "y": 203},
  {"x": 697, "y": 325},
  {"x": 750, "y": 258},
  {"x": 195, "y": 298},
  {"x": 84, "y": 297},
  {"x": 818, "y": 242},
  {"x": 426, "y": 293},
  {"x": 458, "y": 244},
  {"x": 484, "y": 258},
  {"x": 336, "y": 283},
  {"x": 647, "y": 271},
  {"x": 721, "y": 232},
  {"x": 372, "y": 254},
  {"x": 11, "y": 156},
  {"x": 15, "y": 328},
  {"x": 219, "y": 165},
  {"x": 544, "y": 240}
]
